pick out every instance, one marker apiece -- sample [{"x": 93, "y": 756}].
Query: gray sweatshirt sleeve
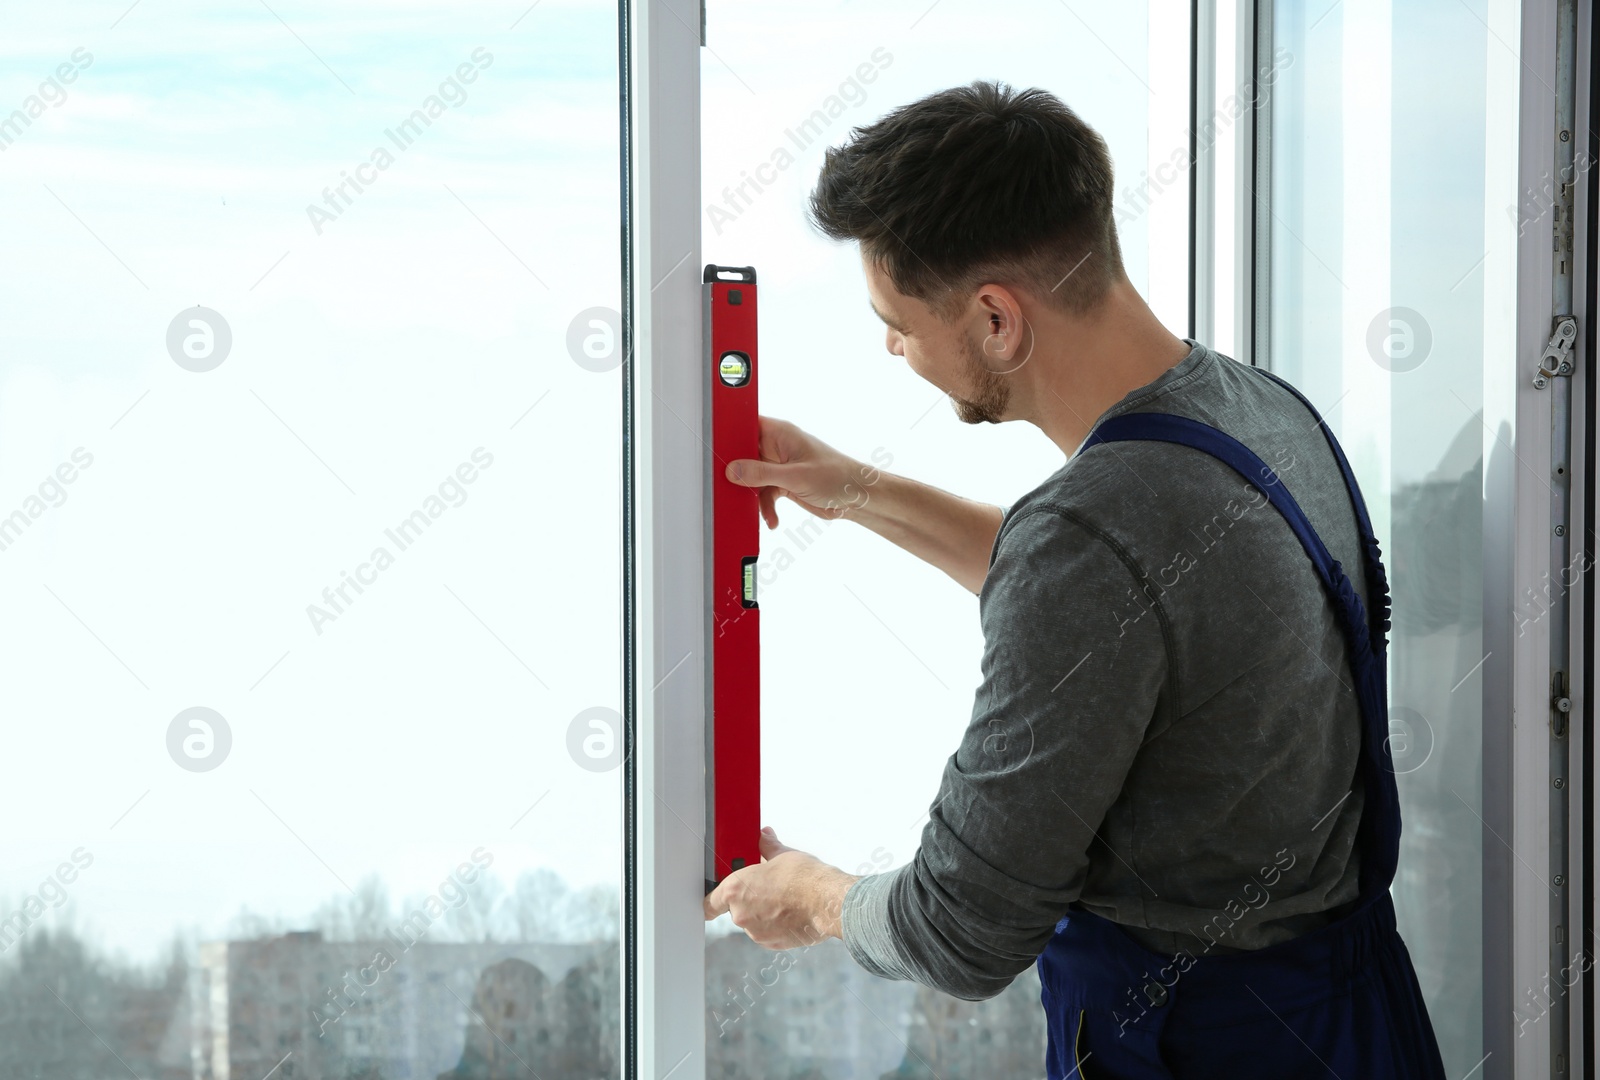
[{"x": 1069, "y": 687}]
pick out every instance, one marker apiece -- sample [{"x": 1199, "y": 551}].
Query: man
[{"x": 1174, "y": 795}]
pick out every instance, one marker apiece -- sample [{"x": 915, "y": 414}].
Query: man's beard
[{"x": 991, "y": 394}]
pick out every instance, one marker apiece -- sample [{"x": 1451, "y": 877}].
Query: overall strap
[
  {"x": 1379, "y": 832},
  {"x": 1372, "y": 558}
]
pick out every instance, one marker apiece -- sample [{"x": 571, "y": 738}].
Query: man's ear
[{"x": 1005, "y": 345}]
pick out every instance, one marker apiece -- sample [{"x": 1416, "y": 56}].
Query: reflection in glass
[{"x": 1386, "y": 291}]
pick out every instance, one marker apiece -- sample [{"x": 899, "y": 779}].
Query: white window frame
[{"x": 663, "y": 969}]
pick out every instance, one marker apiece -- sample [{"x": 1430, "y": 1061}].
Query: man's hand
[
  {"x": 786, "y": 900},
  {"x": 945, "y": 530},
  {"x": 801, "y": 467}
]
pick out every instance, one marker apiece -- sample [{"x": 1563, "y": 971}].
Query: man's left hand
[{"x": 786, "y": 900}]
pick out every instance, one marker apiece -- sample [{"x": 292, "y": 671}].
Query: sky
[{"x": 373, "y": 358}]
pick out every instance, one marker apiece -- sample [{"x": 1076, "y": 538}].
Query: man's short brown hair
[{"x": 972, "y": 184}]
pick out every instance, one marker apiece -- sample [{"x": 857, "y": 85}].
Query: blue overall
[{"x": 1340, "y": 1001}]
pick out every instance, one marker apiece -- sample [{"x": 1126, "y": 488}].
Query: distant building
[
  {"x": 314, "y": 1009},
  {"x": 814, "y": 1014},
  {"x": 1002, "y": 1038},
  {"x": 297, "y": 1007}
]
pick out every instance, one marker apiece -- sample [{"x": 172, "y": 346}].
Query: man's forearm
[
  {"x": 827, "y": 900},
  {"x": 948, "y": 531}
]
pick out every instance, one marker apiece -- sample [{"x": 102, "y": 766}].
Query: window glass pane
[
  {"x": 309, "y": 540},
  {"x": 870, "y": 658},
  {"x": 1391, "y": 281}
]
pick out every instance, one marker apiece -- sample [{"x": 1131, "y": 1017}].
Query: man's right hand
[
  {"x": 805, "y": 469},
  {"x": 945, "y": 530}
]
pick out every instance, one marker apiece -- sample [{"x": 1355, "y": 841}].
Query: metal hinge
[
  {"x": 1557, "y": 358},
  {"x": 1561, "y": 704},
  {"x": 702, "y": 22}
]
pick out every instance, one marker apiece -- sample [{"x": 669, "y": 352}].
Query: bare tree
[
  {"x": 356, "y": 916},
  {"x": 540, "y": 905},
  {"x": 593, "y": 913},
  {"x": 475, "y": 919}
]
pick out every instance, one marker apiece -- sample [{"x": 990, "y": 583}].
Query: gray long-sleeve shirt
[{"x": 1166, "y": 733}]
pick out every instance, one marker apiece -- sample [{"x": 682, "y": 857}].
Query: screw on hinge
[{"x": 1557, "y": 353}]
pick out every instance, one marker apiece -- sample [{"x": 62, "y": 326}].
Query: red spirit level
[{"x": 733, "y": 625}]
